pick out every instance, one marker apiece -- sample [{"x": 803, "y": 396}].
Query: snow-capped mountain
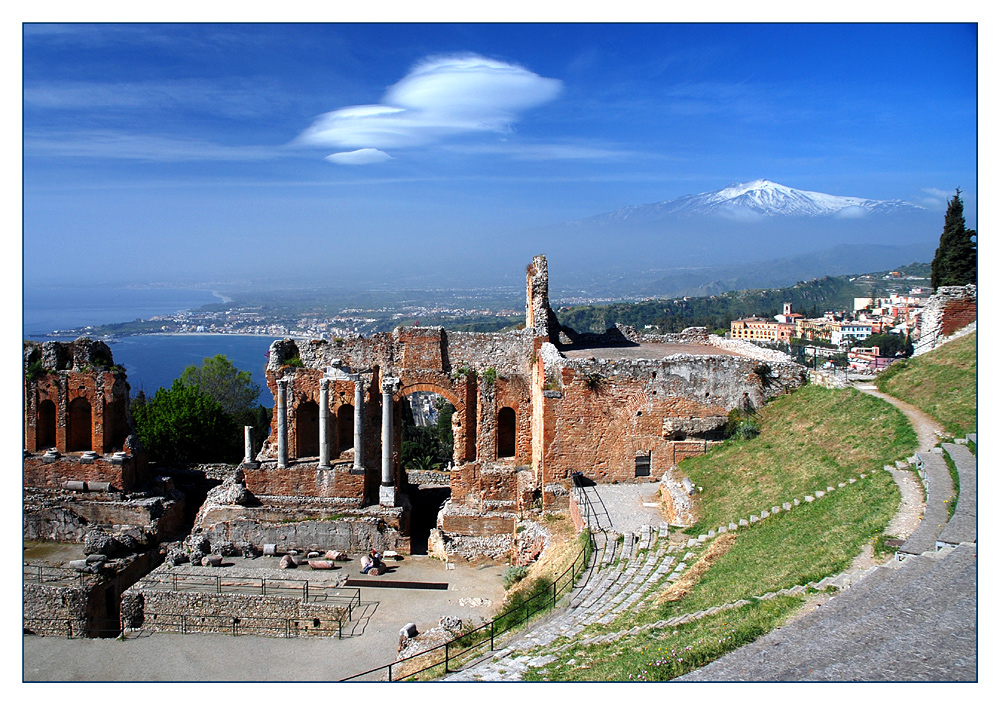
[{"x": 759, "y": 198}]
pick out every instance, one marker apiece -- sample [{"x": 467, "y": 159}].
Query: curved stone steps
[
  {"x": 963, "y": 525},
  {"x": 937, "y": 479}
]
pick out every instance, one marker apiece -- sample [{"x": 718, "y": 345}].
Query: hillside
[
  {"x": 942, "y": 383},
  {"x": 716, "y": 312}
]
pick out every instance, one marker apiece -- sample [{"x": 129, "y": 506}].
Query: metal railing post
[
  {"x": 492, "y": 625},
  {"x": 390, "y": 673},
  {"x": 446, "y": 656}
]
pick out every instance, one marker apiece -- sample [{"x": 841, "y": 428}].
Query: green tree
[
  {"x": 184, "y": 424},
  {"x": 233, "y": 389},
  {"x": 889, "y": 344},
  {"x": 954, "y": 261}
]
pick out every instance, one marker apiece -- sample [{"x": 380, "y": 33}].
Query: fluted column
[
  {"x": 359, "y": 423},
  {"x": 282, "y": 423},
  {"x": 387, "y": 492},
  {"x": 324, "y": 424}
]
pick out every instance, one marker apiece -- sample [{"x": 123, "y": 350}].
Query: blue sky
[{"x": 320, "y": 152}]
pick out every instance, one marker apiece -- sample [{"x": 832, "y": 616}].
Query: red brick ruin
[
  {"x": 532, "y": 408},
  {"x": 76, "y": 423}
]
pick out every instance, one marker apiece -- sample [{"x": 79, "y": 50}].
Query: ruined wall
[
  {"x": 78, "y": 375},
  {"x": 52, "y": 471},
  {"x": 599, "y": 415},
  {"x": 306, "y": 529},
  {"x": 306, "y": 480},
  {"x": 949, "y": 310},
  {"x": 264, "y": 615},
  {"x": 65, "y": 517},
  {"x": 51, "y": 610}
]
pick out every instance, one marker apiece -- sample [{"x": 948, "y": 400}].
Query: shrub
[{"x": 513, "y": 575}]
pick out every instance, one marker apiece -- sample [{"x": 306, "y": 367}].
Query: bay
[
  {"x": 151, "y": 361},
  {"x": 50, "y": 308}
]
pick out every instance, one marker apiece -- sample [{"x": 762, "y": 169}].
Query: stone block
[
  {"x": 732, "y": 526},
  {"x": 754, "y": 518},
  {"x": 764, "y": 514},
  {"x": 809, "y": 498},
  {"x": 829, "y": 489},
  {"x": 723, "y": 529},
  {"x": 796, "y": 502},
  {"x": 711, "y": 533},
  {"x": 852, "y": 481},
  {"x": 409, "y": 630},
  {"x": 819, "y": 493},
  {"x": 387, "y": 496},
  {"x": 744, "y": 522},
  {"x": 786, "y": 506}
]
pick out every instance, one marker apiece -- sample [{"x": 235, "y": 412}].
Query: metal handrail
[{"x": 550, "y": 594}]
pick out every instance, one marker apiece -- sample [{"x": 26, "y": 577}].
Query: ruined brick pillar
[
  {"x": 324, "y": 424},
  {"x": 387, "y": 492},
  {"x": 282, "y": 404}
]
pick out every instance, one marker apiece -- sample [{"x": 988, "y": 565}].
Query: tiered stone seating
[
  {"x": 934, "y": 472},
  {"x": 962, "y": 527}
]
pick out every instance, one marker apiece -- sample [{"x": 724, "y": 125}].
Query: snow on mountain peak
[{"x": 763, "y": 197}]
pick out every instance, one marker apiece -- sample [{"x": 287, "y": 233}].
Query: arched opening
[
  {"x": 345, "y": 428},
  {"x": 45, "y": 425},
  {"x": 79, "y": 427},
  {"x": 506, "y": 433},
  {"x": 426, "y": 443},
  {"x": 307, "y": 430}
]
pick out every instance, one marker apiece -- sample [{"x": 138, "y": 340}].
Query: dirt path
[
  {"x": 912, "y": 501},
  {"x": 929, "y": 431}
]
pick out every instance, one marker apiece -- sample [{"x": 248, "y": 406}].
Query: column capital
[
  {"x": 390, "y": 385},
  {"x": 324, "y": 385}
]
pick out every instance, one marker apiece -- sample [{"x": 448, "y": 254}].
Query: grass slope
[
  {"x": 809, "y": 440},
  {"x": 941, "y": 383}
]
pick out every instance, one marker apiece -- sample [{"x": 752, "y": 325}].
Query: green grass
[
  {"x": 793, "y": 548},
  {"x": 941, "y": 383},
  {"x": 809, "y": 440},
  {"x": 669, "y": 653}
]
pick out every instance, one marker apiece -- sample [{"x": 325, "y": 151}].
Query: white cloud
[
  {"x": 851, "y": 212},
  {"x": 439, "y": 98},
  {"x": 938, "y": 193},
  {"x": 359, "y": 156}
]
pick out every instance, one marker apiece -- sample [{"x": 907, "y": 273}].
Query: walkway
[{"x": 929, "y": 431}]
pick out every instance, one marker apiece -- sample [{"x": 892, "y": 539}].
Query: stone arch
[
  {"x": 506, "y": 432},
  {"x": 79, "y": 425},
  {"x": 307, "y": 429},
  {"x": 45, "y": 425},
  {"x": 463, "y": 449},
  {"x": 345, "y": 428}
]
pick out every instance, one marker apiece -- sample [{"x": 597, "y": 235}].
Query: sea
[{"x": 151, "y": 361}]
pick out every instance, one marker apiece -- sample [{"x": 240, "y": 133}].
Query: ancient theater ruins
[{"x": 533, "y": 408}]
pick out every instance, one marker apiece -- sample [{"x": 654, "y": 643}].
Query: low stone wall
[
  {"x": 383, "y": 529},
  {"x": 60, "y": 516},
  {"x": 195, "y": 612},
  {"x": 305, "y": 480},
  {"x": 951, "y": 309},
  {"x": 58, "y": 610},
  {"x": 44, "y": 472}
]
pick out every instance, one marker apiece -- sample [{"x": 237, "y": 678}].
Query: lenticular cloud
[{"x": 440, "y": 97}]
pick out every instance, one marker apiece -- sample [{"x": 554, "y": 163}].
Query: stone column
[
  {"x": 324, "y": 424},
  {"x": 282, "y": 423},
  {"x": 359, "y": 423},
  {"x": 387, "y": 492},
  {"x": 248, "y": 444}
]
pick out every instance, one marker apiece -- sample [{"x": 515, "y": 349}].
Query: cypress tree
[{"x": 955, "y": 259}]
